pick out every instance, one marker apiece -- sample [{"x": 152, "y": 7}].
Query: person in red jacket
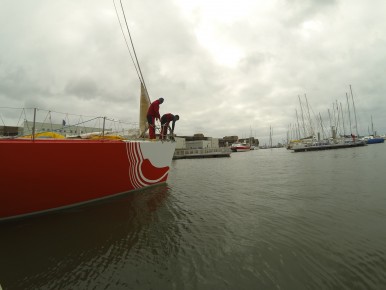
[
  {"x": 152, "y": 115},
  {"x": 165, "y": 120}
]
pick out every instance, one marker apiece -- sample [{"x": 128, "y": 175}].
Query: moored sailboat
[
  {"x": 45, "y": 174},
  {"x": 46, "y": 171},
  {"x": 373, "y": 138}
]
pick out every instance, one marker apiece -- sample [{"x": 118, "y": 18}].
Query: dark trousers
[
  {"x": 164, "y": 129},
  {"x": 150, "y": 120}
]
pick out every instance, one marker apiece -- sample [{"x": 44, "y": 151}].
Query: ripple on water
[{"x": 267, "y": 219}]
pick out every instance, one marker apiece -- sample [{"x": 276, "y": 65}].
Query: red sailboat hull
[{"x": 43, "y": 175}]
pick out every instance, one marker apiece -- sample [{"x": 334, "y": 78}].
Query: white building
[
  {"x": 202, "y": 144},
  {"x": 180, "y": 143},
  {"x": 59, "y": 128}
]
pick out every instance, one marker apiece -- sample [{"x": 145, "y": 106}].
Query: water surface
[{"x": 265, "y": 219}]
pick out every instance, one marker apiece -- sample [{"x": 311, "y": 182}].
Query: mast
[
  {"x": 355, "y": 113},
  {"x": 297, "y": 128},
  {"x": 372, "y": 126},
  {"x": 341, "y": 111},
  {"x": 309, "y": 116},
  {"x": 301, "y": 108},
  {"x": 349, "y": 114},
  {"x": 321, "y": 125},
  {"x": 33, "y": 126},
  {"x": 334, "y": 114},
  {"x": 289, "y": 132},
  {"x": 103, "y": 129},
  {"x": 338, "y": 120},
  {"x": 250, "y": 135},
  {"x": 329, "y": 116}
]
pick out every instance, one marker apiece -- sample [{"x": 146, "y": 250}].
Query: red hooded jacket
[{"x": 154, "y": 109}]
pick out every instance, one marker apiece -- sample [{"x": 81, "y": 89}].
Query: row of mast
[{"x": 336, "y": 119}]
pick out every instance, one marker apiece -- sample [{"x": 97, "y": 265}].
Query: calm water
[{"x": 265, "y": 219}]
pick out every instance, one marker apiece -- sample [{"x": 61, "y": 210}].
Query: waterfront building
[{"x": 59, "y": 128}]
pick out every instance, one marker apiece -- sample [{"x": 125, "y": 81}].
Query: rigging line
[
  {"x": 135, "y": 54},
  {"x": 63, "y": 113},
  {"x": 14, "y": 108},
  {"x": 44, "y": 121},
  {"x": 50, "y": 119},
  {"x": 68, "y": 119},
  {"x": 127, "y": 45},
  {"x": 25, "y": 119},
  {"x": 77, "y": 124},
  {"x": 21, "y": 114},
  {"x": 2, "y": 120}
]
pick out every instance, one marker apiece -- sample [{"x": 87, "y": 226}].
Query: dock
[
  {"x": 202, "y": 153},
  {"x": 329, "y": 147}
]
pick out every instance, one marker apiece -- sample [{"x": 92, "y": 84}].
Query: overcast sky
[{"x": 226, "y": 67}]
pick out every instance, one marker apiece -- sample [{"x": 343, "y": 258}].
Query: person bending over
[{"x": 165, "y": 121}]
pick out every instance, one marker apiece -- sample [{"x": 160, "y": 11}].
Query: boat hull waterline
[{"x": 44, "y": 175}]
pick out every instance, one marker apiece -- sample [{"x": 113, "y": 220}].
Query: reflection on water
[
  {"x": 265, "y": 219},
  {"x": 76, "y": 246}
]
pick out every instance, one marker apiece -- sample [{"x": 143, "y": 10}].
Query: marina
[
  {"x": 317, "y": 139},
  {"x": 188, "y": 180}
]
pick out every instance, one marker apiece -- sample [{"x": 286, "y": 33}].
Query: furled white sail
[{"x": 144, "y": 105}]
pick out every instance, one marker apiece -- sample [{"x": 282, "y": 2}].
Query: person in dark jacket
[
  {"x": 165, "y": 121},
  {"x": 152, "y": 115}
]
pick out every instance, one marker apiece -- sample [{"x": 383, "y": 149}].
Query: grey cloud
[{"x": 83, "y": 88}]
